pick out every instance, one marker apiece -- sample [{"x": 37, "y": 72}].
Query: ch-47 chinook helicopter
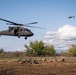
[{"x": 18, "y": 30}]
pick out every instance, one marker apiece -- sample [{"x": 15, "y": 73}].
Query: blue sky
[{"x": 50, "y": 14}]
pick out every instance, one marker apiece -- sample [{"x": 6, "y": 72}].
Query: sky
[{"x": 50, "y": 14}]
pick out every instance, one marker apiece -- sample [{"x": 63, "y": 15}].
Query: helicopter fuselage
[{"x": 17, "y": 31}]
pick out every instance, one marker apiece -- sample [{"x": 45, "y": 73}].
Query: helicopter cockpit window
[
  {"x": 27, "y": 30},
  {"x": 10, "y": 28}
]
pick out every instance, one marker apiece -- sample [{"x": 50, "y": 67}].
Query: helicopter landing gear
[
  {"x": 18, "y": 36},
  {"x": 25, "y": 38}
]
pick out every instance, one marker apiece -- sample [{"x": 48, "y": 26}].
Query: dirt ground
[{"x": 44, "y": 68}]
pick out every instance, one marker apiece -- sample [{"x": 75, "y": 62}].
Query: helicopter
[
  {"x": 18, "y": 29},
  {"x": 71, "y": 17}
]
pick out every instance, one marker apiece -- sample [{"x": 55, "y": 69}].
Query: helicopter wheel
[
  {"x": 25, "y": 37},
  {"x": 18, "y": 36}
]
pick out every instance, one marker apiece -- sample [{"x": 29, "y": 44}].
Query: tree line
[{"x": 38, "y": 48}]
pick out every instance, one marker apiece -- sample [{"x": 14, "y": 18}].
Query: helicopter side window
[
  {"x": 21, "y": 30},
  {"x": 15, "y": 31}
]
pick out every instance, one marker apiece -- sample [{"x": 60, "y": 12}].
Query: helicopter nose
[{"x": 32, "y": 34}]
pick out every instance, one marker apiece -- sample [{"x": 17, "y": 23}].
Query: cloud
[
  {"x": 67, "y": 32},
  {"x": 50, "y": 34},
  {"x": 63, "y": 38}
]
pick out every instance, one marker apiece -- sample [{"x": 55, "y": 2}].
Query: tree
[
  {"x": 37, "y": 48},
  {"x": 1, "y": 52},
  {"x": 49, "y": 50},
  {"x": 72, "y": 50}
]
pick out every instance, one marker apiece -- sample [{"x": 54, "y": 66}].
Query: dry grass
[{"x": 44, "y": 68}]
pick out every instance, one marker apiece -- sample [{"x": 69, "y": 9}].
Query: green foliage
[
  {"x": 72, "y": 50},
  {"x": 37, "y": 48},
  {"x": 49, "y": 50},
  {"x": 1, "y": 52}
]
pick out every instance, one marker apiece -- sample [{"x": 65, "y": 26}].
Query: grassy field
[
  {"x": 67, "y": 59},
  {"x": 13, "y": 67}
]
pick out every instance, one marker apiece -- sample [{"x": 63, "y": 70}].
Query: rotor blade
[
  {"x": 28, "y": 24},
  {"x": 36, "y": 27},
  {"x": 13, "y": 23},
  {"x": 33, "y": 26},
  {"x": 31, "y": 23},
  {"x": 21, "y": 24},
  {"x": 8, "y": 21}
]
